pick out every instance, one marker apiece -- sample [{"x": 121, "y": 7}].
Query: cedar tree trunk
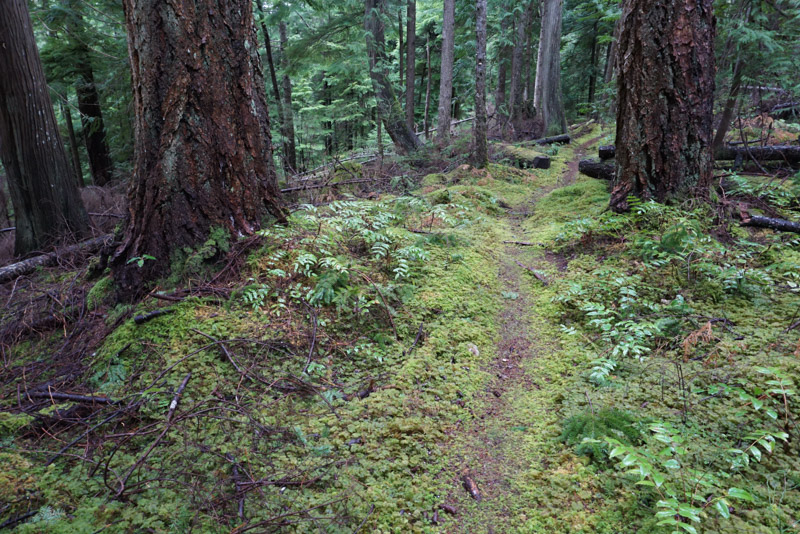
[
  {"x": 446, "y": 76},
  {"x": 389, "y": 109},
  {"x": 665, "y": 81},
  {"x": 94, "y": 131},
  {"x": 203, "y": 156},
  {"x": 547, "y": 92},
  {"x": 47, "y": 204},
  {"x": 481, "y": 150}
]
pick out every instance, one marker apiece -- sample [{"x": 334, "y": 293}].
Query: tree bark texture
[
  {"x": 547, "y": 92},
  {"x": 389, "y": 109},
  {"x": 288, "y": 114},
  {"x": 203, "y": 154},
  {"x": 44, "y": 193},
  {"x": 426, "y": 120},
  {"x": 665, "y": 82},
  {"x": 481, "y": 149},
  {"x": 411, "y": 59},
  {"x": 446, "y": 76},
  {"x": 94, "y": 131},
  {"x": 517, "y": 68}
]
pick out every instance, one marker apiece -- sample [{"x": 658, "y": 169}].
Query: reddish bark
[
  {"x": 203, "y": 156},
  {"x": 665, "y": 94}
]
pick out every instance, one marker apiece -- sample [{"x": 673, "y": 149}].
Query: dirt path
[{"x": 492, "y": 454}]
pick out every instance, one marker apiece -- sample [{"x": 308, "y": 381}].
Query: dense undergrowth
[{"x": 325, "y": 387}]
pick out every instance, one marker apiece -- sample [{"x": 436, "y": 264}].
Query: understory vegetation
[{"x": 320, "y": 376}]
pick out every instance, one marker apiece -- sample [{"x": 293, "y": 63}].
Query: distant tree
[
  {"x": 389, "y": 110},
  {"x": 665, "y": 96},
  {"x": 288, "y": 116},
  {"x": 547, "y": 98},
  {"x": 446, "y": 77},
  {"x": 203, "y": 156},
  {"x": 481, "y": 149},
  {"x": 411, "y": 59},
  {"x": 44, "y": 192}
]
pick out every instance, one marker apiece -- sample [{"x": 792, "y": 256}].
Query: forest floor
[{"x": 490, "y": 351}]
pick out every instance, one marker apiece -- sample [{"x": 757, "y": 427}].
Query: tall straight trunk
[
  {"x": 730, "y": 105},
  {"x": 481, "y": 149},
  {"x": 665, "y": 81},
  {"x": 400, "y": 49},
  {"x": 73, "y": 142},
  {"x": 428, "y": 86},
  {"x": 502, "y": 68},
  {"x": 203, "y": 155},
  {"x": 446, "y": 75},
  {"x": 47, "y": 204},
  {"x": 611, "y": 61},
  {"x": 547, "y": 93},
  {"x": 593, "y": 65},
  {"x": 288, "y": 114},
  {"x": 94, "y": 131},
  {"x": 276, "y": 93},
  {"x": 389, "y": 109},
  {"x": 518, "y": 65},
  {"x": 411, "y": 59}
]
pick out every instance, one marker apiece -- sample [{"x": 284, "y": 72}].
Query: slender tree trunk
[
  {"x": 389, "y": 109},
  {"x": 730, "y": 106},
  {"x": 547, "y": 94},
  {"x": 517, "y": 67},
  {"x": 275, "y": 91},
  {"x": 481, "y": 149},
  {"x": 446, "y": 76},
  {"x": 288, "y": 114},
  {"x": 428, "y": 87},
  {"x": 47, "y": 204},
  {"x": 94, "y": 131},
  {"x": 411, "y": 59},
  {"x": 502, "y": 70},
  {"x": 203, "y": 156},
  {"x": 611, "y": 60},
  {"x": 422, "y": 84},
  {"x": 593, "y": 65},
  {"x": 400, "y": 48},
  {"x": 73, "y": 143},
  {"x": 665, "y": 81}
]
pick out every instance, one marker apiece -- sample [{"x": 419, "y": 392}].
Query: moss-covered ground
[{"x": 374, "y": 360}]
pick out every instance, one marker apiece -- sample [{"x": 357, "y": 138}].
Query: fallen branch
[
  {"x": 539, "y": 276},
  {"x": 55, "y": 395},
  {"x": 141, "y": 319},
  {"x": 523, "y": 243},
  {"x": 775, "y": 224},
  {"x": 560, "y": 139},
  {"x": 24, "y": 267}
]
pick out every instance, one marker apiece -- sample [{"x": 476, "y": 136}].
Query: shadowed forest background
[{"x": 399, "y": 266}]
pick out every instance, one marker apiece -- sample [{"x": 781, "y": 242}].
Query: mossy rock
[
  {"x": 101, "y": 293},
  {"x": 433, "y": 180}
]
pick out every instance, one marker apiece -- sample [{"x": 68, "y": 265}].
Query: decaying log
[
  {"x": 15, "y": 270},
  {"x": 556, "y": 139},
  {"x": 607, "y": 152},
  {"x": 141, "y": 319},
  {"x": 597, "y": 169},
  {"x": 775, "y": 224}
]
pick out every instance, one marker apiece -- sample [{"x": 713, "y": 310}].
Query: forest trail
[{"x": 501, "y": 447}]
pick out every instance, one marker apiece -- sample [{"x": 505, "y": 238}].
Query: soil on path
[{"x": 490, "y": 455}]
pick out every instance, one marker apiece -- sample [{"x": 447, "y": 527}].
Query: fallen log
[
  {"x": 606, "y": 152},
  {"x": 597, "y": 169},
  {"x": 556, "y": 139},
  {"x": 15, "y": 270},
  {"x": 770, "y": 222},
  {"x": 787, "y": 153}
]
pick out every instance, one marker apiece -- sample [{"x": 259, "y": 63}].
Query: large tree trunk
[
  {"x": 547, "y": 94},
  {"x": 203, "y": 156},
  {"x": 47, "y": 205},
  {"x": 389, "y": 109},
  {"x": 481, "y": 149},
  {"x": 94, "y": 131},
  {"x": 411, "y": 59},
  {"x": 288, "y": 114},
  {"x": 446, "y": 76},
  {"x": 665, "y": 81}
]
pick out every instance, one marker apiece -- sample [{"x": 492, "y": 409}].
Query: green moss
[{"x": 101, "y": 292}]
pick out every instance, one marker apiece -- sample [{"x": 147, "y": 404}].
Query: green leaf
[
  {"x": 738, "y": 493},
  {"x": 756, "y": 452},
  {"x": 672, "y": 464},
  {"x": 688, "y": 528},
  {"x": 722, "y": 507}
]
